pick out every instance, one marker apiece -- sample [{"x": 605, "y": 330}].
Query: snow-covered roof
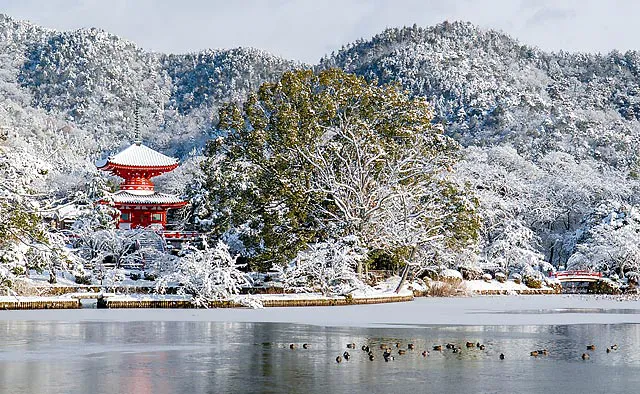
[
  {"x": 124, "y": 197},
  {"x": 139, "y": 155}
]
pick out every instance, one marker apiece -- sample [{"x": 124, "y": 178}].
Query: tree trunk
[{"x": 405, "y": 272}]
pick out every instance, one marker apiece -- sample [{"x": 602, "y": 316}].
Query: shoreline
[
  {"x": 72, "y": 298},
  {"x": 428, "y": 311},
  {"x": 142, "y": 297}
]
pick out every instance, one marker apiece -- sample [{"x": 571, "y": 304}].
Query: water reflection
[{"x": 206, "y": 357}]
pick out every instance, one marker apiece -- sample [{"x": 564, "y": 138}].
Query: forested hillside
[{"x": 550, "y": 140}]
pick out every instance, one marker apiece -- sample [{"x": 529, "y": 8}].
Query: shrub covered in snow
[
  {"x": 487, "y": 277},
  {"x": 208, "y": 274},
  {"x": 326, "y": 267},
  {"x": 553, "y": 283},
  {"x": 114, "y": 277},
  {"x": 451, "y": 276},
  {"x": 517, "y": 278},
  {"x": 470, "y": 272},
  {"x": 500, "y": 277},
  {"x": 5, "y": 280},
  {"x": 532, "y": 279},
  {"x": 443, "y": 289},
  {"x": 604, "y": 286}
]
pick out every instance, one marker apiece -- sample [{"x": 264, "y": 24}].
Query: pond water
[{"x": 244, "y": 357}]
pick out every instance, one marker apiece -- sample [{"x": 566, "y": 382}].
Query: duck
[
  {"x": 339, "y": 359},
  {"x": 534, "y": 353},
  {"x": 402, "y": 352},
  {"x": 292, "y": 346},
  {"x": 386, "y": 353},
  {"x": 591, "y": 347},
  {"x": 437, "y": 348},
  {"x": 470, "y": 344},
  {"x": 397, "y": 344},
  {"x": 481, "y": 347},
  {"x": 346, "y": 356},
  {"x": 614, "y": 347},
  {"x": 608, "y": 350},
  {"x": 411, "y": 346},
  {"x": 383, "y": 346},
  {"x": 501, "y": 356},
  {"x": 305, "y": 346},
  {"x": 456, "y": 350},
  {"x": 544, "y": 352},
  {"x": 365, "y": 348},
  {"x": 450, "y": 346},
  {"x": 372, "y": 357},
  {"x": 425, "y": 353},
  {"x": 351, "y": 345},
  {"x": 478, "y": 344},
  {"x": 585, "y": 356},
  {"x": 389, "y": 358}
]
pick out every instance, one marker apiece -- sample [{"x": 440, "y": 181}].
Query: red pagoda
[{"x": 139, "y": 204}]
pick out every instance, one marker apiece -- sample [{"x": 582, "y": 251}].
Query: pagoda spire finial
[{"x": 136, "y": 115}]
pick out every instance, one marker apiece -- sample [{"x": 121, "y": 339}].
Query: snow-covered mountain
[
  {"x": 488, "y": 88},
  {"x": 93, "y": 80}
]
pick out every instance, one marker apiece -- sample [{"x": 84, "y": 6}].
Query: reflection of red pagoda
[{"x": 138, "y": 202}]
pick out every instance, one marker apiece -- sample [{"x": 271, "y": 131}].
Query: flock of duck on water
[{"x": 388, "y": 355}]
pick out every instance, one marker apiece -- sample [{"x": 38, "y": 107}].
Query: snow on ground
[
  {"x": 32, "y": 298},
  {"x": 473, "y": 311},
  {"x": 147, "y": 297},
  {"x": 476, "y": 286},
  {"x": 314, "y": 296}
]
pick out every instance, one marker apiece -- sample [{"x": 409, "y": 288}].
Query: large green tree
[{"x": 326, "y": 155}]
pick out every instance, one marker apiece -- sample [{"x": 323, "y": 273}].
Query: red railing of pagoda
[{"x": 180, "y": 234}]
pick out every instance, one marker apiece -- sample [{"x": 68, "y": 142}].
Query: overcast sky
[{"x": 306, "y": 30}]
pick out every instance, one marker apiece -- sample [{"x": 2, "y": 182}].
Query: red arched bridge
[{"x": 577, "y": 276}]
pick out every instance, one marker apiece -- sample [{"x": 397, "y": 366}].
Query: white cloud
[{"x": 307, "y": 30}]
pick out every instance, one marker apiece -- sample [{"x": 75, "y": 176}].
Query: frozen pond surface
[{"x": 229, "y": 351}]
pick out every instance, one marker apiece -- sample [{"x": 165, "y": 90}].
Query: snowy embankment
[
  {"x": 493, "y": 287},
  {"x": 382, "y": 293},
  {"x": 261, "y": 300}
]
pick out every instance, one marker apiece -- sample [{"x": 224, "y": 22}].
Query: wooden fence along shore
[
  {"x": 40, "y": 304},
  {"x": 267, "y": 303}
]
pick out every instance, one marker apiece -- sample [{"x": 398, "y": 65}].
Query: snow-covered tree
[
  {"x": 328, "y": 155},
  {"x": 610, "y": 241},
  {"x": 326, "y": 267},
  {"x": 208, "y": 274}
]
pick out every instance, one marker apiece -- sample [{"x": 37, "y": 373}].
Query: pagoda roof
[
  {"x": 125, "y": 197},
  {"x": 138, "y": 155}
]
